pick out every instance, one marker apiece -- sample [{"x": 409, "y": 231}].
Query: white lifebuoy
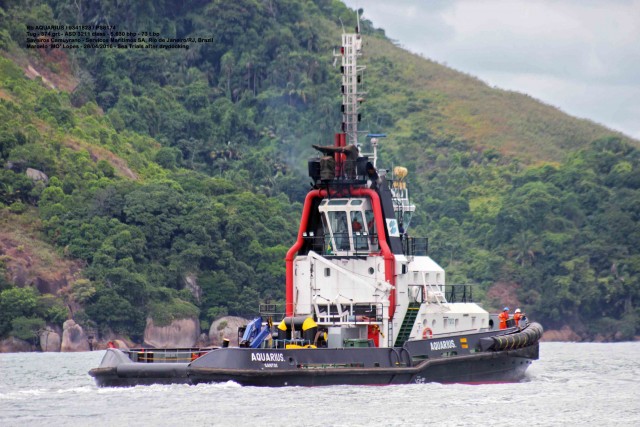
[{"x": 427, "y": 333}]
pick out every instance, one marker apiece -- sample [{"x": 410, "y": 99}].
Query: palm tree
[{"x": 525, "y": 248}]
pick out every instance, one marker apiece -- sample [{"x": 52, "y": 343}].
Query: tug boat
[{"x": 365, "y": 304}]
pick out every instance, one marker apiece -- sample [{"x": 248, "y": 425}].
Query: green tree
[
  {"x": 109, "y": 310},
  {"x": 15, "y": 303},
  {"x": 27, "y": 328}
]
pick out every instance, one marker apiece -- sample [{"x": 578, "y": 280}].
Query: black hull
[
  {"x": 508, "y": 366},
  {"x": 108, "y": 377},
  {"x": 321, "y": 367},
  {"x": 505, "y": 366}
]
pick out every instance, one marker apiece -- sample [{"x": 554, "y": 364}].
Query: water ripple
[{"x": 573, "y": 384}]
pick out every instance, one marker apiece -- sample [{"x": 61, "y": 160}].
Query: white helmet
[{"x": 517, "y": 310}]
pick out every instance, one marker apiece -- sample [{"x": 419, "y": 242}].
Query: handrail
[
  {"x": 360, "y": 244},
  {"x": 351, "y": 317}
]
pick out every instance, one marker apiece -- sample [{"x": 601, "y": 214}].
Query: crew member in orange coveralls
[
  {"x": 504, "y": 316},
  {"x": 518, "y": 316}
]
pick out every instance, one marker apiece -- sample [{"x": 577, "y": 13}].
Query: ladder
[
  {"x": 407, "y": 324},
  {"x": 432, "y": 292}
]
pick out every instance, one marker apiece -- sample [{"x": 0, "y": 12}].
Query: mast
[{"x": 350, "y": 50}]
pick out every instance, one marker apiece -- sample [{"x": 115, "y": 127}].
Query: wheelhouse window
[
  {"x": 371, "y": 224},
  {"x": 357, "y": 224},
  {"x": 359, "y": 232},
  {"x": 371, "y": 229},
  {"x": 340, "y": 229},
  {"x": 349, "y": 226}
]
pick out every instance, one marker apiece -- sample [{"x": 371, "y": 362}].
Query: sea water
[{"x": 573, "y": 384}]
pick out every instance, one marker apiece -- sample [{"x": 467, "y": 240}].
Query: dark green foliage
[
  {"x": 23, "y": 312},
  {"x": 49, "y": 105},
  {"x": 164, "y": 312},
  {"x": 168, "y": 157},
  {"x": 564, "y": 233},
  {"x": 52, "y": 309},
  {"x": 110, "y": 310},
  {"x": 14, "y": 187},
  {"x": 27, "y": 328},
  {"x": 15, "y": 303},
  {"x": 9, "y": 139}
]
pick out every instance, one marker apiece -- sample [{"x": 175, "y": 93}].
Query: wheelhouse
[{"x": 348, "y": 227}]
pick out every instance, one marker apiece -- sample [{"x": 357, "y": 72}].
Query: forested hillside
[{"x": 174, "y": 178}]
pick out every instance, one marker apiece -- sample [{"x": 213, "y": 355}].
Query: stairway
[{"x": 407, "y": 324}]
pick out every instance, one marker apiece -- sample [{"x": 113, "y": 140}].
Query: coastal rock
[
  {"x": 180, "y": 333},
  {"x": 564, "y": 334},
  {"x": 191, "y": 283},
  {"x": 121, "y": 342},
  {"x": 226, "y": 327},
  {"x": 73, "y": 337},
  {"x": 19, "y": 274},
  {"x": 50, "y": 285},
  {"x": 50, "y": 341},
  {"x": 37, "y": 175},
  {"x": 502, "y": 294},
  {"x": 203, "y": 340},
  {"x": 14, "y": 345},
  {"x": 27, "y": 263}
]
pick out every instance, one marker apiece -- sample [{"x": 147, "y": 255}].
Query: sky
[{"x": 582, "y": 56}]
